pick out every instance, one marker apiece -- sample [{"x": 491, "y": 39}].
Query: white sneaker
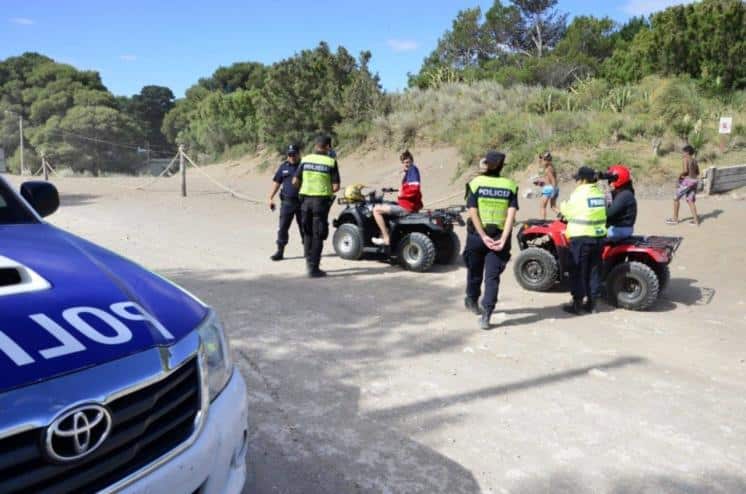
[{"x": 378, "y": 241}]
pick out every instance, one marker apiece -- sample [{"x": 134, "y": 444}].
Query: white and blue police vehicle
[{"x": 112, "y": 379}]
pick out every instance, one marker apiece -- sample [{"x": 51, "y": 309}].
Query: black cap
[
  {"x": 546, "y": 155},
  {"x": 323, "y": 140},
  {"x": 293, "y": 149},
  {"x": 586, "y": 173},
  {"x": 494, "y": 158}
]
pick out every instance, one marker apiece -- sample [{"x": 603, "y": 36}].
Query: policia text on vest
[
  {"x": 318, "y": 176},
  {"x": 585, "y": 213},
  {"x": 493, "y": 198}
]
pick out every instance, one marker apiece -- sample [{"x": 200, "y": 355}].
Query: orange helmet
[{"x": 623, "y": 176}]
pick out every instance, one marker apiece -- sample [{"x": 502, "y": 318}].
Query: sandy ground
[{"x": 377, "y": 380}]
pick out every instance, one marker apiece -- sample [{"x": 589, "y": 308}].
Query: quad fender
[
  {"x": 531, "y": 230},
  {"x": 349, "y": 215},
  {"x": 643, "y": 254}
]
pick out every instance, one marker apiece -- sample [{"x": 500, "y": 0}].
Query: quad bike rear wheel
[
  {"x": 536, "y": 269},
  {"x": 417, "y": 252},
  {"x": 449, "y": 249},
  {"x": 664, "y": 276},
  {"x": 348, "y": 243},
  {"x": 632, "y": 285}
]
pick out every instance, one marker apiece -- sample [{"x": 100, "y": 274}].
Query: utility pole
[{"x": 20, "y": 130}]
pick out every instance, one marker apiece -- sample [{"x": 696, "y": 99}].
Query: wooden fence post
[
  {"x": 182, "y": 169},
  {"x": 709, "y": 179},
  {"x": 44, "y": 167}
]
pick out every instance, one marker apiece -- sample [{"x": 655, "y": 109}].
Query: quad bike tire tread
[
  {"x": 353, "y": 232},
  {"x": 644, "y": 274},
  {"x": 427, "y": 252},
  {"x": 449, "y": 249},
  {"x": 664, "y": 276},
  {"x": 547, "y": 262}
]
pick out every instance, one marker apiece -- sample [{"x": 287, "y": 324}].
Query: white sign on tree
[{"x": 726, "y": 123}]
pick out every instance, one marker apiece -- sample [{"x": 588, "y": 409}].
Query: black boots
[
  {"x": 484, "y": 321},
  {"x": 472, "y": 306},
  {"x": 279, "y": 255},
  {"x": 590, "y": 306},
  {"x": 314, "y": 271},
  {"x": 575, "y": 307}
]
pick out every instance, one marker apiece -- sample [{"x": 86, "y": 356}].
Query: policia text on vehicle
[
  {"x": 318, "y": 179},
  {"x": 492, "y": 202}
]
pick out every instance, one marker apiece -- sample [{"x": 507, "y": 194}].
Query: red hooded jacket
[{"x": 410, "y": 195}]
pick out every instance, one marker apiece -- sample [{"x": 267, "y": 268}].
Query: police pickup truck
[{"x": 112, "y": 379}]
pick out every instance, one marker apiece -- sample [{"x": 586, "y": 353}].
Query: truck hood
[{"x": 87, "y": 306}]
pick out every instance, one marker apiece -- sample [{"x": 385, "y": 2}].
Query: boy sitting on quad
[{"x": 409, "y": 200}]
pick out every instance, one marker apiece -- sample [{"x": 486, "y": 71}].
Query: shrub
[
  {"x": 674, "y": 101},
  {"x": 548, "y": 100}
]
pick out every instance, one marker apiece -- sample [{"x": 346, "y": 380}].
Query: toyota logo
[{"x": 78, "y": 432}]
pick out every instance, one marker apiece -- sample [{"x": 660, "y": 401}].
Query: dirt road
[{"x": 377, "y": 380}]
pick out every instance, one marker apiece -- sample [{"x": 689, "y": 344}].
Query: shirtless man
[{"x": 687, "y": 186}]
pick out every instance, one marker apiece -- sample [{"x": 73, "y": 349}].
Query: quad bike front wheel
[
  {"x": 536, "y": 269},
  {"x": 632, "y": 285},
  {"x": 448, "y": 249},
  {"x": 417, "y": 252},
  {"x": 348, "y": 243}
]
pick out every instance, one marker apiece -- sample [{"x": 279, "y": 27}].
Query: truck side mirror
[{"x": 42, "y": 196}]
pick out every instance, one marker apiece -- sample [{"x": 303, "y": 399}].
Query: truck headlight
[{"x": 217, "y": 354}]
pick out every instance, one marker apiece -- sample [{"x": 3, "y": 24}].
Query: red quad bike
[{"x": 635, "y": 270}]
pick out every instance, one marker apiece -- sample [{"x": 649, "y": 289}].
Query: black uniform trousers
[
  {"x": 315, "y": 225},
  {"x": 289, "y": 210},
  {"x": 584, "y": 267},
  {"x": 485, "y": 264}
]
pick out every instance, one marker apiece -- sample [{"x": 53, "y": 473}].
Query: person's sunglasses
[{"x": 292, "y": 154}]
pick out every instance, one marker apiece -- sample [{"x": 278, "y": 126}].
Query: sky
[{"x": 173, "y": 44}]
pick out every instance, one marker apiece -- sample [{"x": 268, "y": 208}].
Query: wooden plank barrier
[{"x": 723, "y": 179}]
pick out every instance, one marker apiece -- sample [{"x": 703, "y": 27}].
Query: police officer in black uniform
[
  {"x": 318, "y": 180},
  {"x": 492, "y": 202},
  {"x": 289, "y": 200}
]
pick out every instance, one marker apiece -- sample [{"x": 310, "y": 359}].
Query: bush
[
  {"x": 675, "y": 100},
  {"x": 604, "y": 158},
  {"x": 352, "y": 134},
  {"x": 548, "y": 100}
]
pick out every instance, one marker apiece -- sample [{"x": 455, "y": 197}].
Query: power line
[{"x": 135, "y": 147}]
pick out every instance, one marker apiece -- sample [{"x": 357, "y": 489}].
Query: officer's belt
[{"x": 587, "y": 222}]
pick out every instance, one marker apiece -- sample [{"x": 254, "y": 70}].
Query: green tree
[
  {"x": 241, "y": 75},
  {"x": 588, "y": 41},
  {"x": 95, "y": 138},
  {"x": 540, "y": 28},
  {"x": 304, "y": 95},
  {"x": 149, "y": 108}
]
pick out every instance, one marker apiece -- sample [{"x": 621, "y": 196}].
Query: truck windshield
[{"x": 12, "y": 210}]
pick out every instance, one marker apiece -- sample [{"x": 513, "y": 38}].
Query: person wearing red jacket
[{"x": 409, "y": 201}]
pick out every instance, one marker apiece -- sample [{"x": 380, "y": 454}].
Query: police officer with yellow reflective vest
[
  {"x": 492, "y": 202},
  {"x": 585, "y": 213},
  {"x": 318, "y": 179}
]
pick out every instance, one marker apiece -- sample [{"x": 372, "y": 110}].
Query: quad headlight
[{"x": 217, "y": 354}]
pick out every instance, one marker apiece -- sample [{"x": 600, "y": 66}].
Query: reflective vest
[
  {"x": 493, "y": 198},
  {"x": 585, "y": 212},
  {"x": 316, "y": 179}
]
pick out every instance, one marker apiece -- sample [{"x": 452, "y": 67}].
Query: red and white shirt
[{"x": 410, "y": 195}]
